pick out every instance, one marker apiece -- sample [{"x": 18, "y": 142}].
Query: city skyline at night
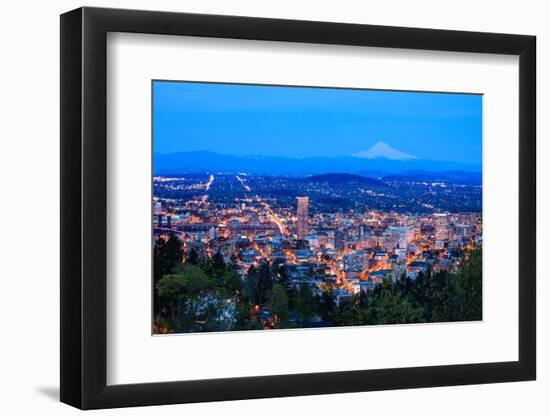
[
  {"x": 287, "y": 207},
  {"x": 304, "y": 122}
]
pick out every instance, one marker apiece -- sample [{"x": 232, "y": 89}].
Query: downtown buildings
[
  {"x": 317, "y": 240},
  {"x": 302, "y": 214}
]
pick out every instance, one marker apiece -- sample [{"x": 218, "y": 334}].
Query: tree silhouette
[
  {"x": 167, "y": 254},
  {"x": 277, "y": 304}
]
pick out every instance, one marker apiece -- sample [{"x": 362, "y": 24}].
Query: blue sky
[{"x": 302, "y": 122}]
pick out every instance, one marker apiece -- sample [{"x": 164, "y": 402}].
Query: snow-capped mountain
[
  {"x": 381, "y": 163},
  {"x": 383, "y": 150}
]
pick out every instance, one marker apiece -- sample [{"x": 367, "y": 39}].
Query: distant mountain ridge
[
  {"x": 456, "y": 177},
  {"x": 205, "y": 161},
  {"x": 342, "y": 178}
]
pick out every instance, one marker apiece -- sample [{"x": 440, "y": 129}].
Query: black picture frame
[{"x": 84, "y": 207}]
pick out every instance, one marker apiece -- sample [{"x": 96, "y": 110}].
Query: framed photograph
[{"x": 257, "y": 208}]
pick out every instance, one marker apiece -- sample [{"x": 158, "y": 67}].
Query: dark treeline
[
  {"x": 431, "y": 297},
  {"x": 197, "y": 295}
]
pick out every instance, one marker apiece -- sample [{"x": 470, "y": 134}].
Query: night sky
[{"x": 304, "y": 122}]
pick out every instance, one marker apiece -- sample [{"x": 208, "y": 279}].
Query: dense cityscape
[
  {"x": 288, "y": 207},
  {"x": 241, "y": 251}
]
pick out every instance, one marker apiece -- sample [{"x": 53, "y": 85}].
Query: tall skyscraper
[
  {"x": 340, "y": 237},
  {"x": 302, "y": 213},
  {"x": 441, "y": 223}
]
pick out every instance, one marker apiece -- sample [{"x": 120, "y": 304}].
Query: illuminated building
[
  {"x": 355, "y": 262},
  {"x": 313, "y": 241},
  {"x": 402, "y": 235},
  {"x": 441, "y": 223},
  {"x": 427, "y": 229},
  {"x": 463, "y": 232},
  {"x": 302, "y": 214},
  {"x": 158, "y": 207},
  {"x": 212, "y": 233},
  {"x": 398, "y": 269},
  {"x": 340, "y": 239}
]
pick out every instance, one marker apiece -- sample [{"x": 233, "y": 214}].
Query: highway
[
  {"x": 207, "y": 187},
  {"x": 273, "y": 217}
]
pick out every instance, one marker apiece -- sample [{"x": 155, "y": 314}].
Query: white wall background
[{"x": 29, "y": 213}]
